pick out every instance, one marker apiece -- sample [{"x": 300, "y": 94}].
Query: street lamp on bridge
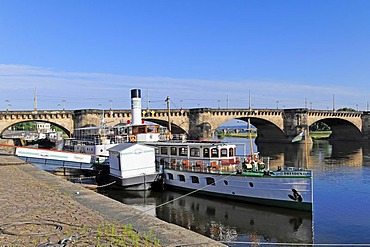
[
  {"x": 7, "y": 104},
  {"x": 64, "y": 104}
]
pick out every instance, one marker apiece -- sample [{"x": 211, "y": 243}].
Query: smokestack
[{"x": 136, "y": 106}]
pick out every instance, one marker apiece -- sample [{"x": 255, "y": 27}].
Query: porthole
[
  {"x": 251, "y": 184},
  {"x": 225, "y": 182}
]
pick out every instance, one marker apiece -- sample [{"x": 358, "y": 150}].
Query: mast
[
  {"x": 168, "y": 113},
  {"x": 35, "y": 100},
  {"x": 250, "y": 136},
  {"x": 306, "y": 146},
  {"x": 147, "y": 101}
]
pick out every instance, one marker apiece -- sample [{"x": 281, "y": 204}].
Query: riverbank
[
  {"x": 313, "y": 134},
  {"x": 39, "y": 208}
]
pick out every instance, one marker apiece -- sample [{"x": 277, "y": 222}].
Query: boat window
[
  {"x": 210, "y": 181},
  {"x": 226, "y": 183},
  {"x": 231, "y": 152},
  {"x": 138, "y": 130},
  {"x": 223, "y": 152},
  {"x": 194, "y": 179},
  {"x": 152, "y": 128},
  {"x": 170, "y": 176},
  {"x": 206, "y": 153},
  {"x": 181, "y": 178},
  {"x": 194, "y": 152},
  {"x": 183, "y": 151},
  {"x": 173, "y": 151},
  {"x": 163, "y": 150},
  {"x": 214, "y": 152}
]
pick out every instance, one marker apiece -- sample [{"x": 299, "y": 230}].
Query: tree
[
  {"x": 25, "y": 126},
  {"x": 346, "y": 109},
  {"x": 320, "y": 126}
]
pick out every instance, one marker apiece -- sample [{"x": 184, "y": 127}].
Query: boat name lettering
[
  {"x": 138, "y": 151},
  {"x": 78, "y": 157},
  {"x": 43, "y": 154},
  {"x": 296, "y": 173}
]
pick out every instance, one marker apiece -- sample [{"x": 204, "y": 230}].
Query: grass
[
  {"x": 320, "y": 134},
  {"x": 107, "y": 234}
]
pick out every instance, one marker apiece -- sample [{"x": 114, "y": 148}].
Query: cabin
[{"x": 131, "y": 159}]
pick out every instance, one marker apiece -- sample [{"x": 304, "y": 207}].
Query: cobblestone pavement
[{"x": 40, "y": 209}]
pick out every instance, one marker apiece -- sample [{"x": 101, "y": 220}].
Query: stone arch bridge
[{"x": 273, "y": 125}]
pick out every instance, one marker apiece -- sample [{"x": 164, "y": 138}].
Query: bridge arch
[
  {"x": 65, "y": 130},
  {"x": 266, "y": 130},
  {"x": 62, "y": 119},
  {"x": 342, "y": 129}
]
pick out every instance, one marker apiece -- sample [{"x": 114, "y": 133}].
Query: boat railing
[
  {"x": 205, "y": 166},
  {"x": 240, "y": 166}
]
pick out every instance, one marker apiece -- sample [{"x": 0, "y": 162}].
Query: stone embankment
[{"x": 41, "y": 209}]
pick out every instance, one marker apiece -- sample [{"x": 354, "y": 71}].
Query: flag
[{"x": 299, "y": 137}]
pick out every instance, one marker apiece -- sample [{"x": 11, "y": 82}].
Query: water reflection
[
  {"x": 223, "y": 220},
  {"x": 320, "y": 151}
]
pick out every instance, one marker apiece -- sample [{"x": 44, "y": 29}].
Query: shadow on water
[{"x": 222, "y": 220}]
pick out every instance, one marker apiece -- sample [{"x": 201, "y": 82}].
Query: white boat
[
  {"x": 132, "y": 166},
  {"x": 213, "y": 168},
  {"x": 45, "y": 154}
]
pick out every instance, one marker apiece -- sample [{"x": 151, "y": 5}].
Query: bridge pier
[{"x": 199, "y": 128}]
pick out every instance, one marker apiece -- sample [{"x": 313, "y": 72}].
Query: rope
[
  {"x": 4, "y": 231},
  {"x": 105, "y": 185},
  {"x": 81, "y": 178},
  {"x": 61, "y": 243}
]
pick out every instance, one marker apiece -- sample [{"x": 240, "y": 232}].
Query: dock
[{"x": 41, "y": 209}]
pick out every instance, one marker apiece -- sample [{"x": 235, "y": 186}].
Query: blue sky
[{"x": 200, "y": 53}]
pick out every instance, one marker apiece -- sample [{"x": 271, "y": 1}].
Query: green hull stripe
[{"x": 146, "y": 151}]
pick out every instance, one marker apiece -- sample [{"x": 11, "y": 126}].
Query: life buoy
[{"x": 132, "y": 138}]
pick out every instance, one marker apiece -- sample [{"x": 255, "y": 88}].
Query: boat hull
[
  {"x": 282, "y": 191},
  {"x": 140, "y": 182}
]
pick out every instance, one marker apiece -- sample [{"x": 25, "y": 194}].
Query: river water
[{"x": 341, "y": 212}]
